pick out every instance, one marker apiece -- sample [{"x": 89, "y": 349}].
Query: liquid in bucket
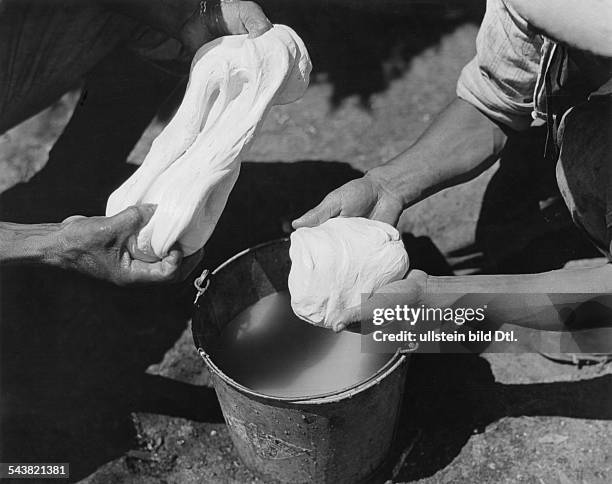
[{"x": 269, "y": 350}]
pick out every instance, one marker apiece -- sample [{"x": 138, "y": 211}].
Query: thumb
[
  {"x": 359, "y": 317},
  {"x": 132, "y": 219},
  {"x": 128, "y": 224},
  {"x": 330, "y": 207},
  {"x": 254, "y": 19},
  {"x": 362, "y": 317}
]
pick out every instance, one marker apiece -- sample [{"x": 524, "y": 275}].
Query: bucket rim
[
  {"x": 246, "y": 251},
  {"x": 394, "y": 362}
]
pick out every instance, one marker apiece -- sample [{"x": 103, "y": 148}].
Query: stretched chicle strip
[{"x": 194, "y": 162}]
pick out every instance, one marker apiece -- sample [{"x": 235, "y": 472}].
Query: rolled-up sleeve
[{"x": 501, "y": 79}]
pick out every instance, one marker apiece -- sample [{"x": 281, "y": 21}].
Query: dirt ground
[{"x": 108, "y": 379}]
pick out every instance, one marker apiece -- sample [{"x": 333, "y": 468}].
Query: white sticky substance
[
  {"x": 194, "y": 162},
  {"x": 333, "y": 264}
]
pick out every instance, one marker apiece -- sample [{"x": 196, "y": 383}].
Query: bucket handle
[
  {"x": 202, "y": 354},
  {"x": 412, "y": 347},
  {"x": 201, "y": 284}
]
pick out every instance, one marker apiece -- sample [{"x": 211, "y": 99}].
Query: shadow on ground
[
  {"x": 449, "y": 398},
  {"x": 360, "y": 46},
  {"x": 524, "y": 226}
]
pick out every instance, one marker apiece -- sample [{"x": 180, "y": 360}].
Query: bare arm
[
  {"x": 458, "y": 146},
  {"x": 527, "y": 300},
  {"x": 28, "y": 243},
  {"x": 464, "y": 139},
  {"x": 549, "y": 301},
  {"x": 98, "y": 246},
  {"x": 583, "y": 24}
]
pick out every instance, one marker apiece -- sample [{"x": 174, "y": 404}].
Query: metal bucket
[{"x": 338, "y": 437}]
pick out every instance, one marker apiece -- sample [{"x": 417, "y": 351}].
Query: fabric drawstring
[
  {"x": 551, "y": 145},
  {"x": 555, "y": 68}
]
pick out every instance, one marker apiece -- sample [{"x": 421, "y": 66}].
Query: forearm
[
  {"x": 542, "y": 301},
  {"x": 21, "y": 244},
  {"x": 458, "y": 146}
]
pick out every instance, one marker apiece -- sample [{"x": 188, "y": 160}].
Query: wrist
[
  {"x": 30, "y": 244},
  {"x": 406, "y": 177},
  {"x": 442, "y": 291},
  {"x": 47, "y": 246}
]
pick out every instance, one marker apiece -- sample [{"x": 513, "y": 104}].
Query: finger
[
  {"x": 350, "y": 317},
  {"x": 353, "y": 319},
  {"x": 165, "y": 270},
  {"x": 392, "y": 295},
  {"x": 145, "y": 254},
  {"x": 330, "y": 207},
  {"x": 388, "y": 216},
  {"x": 254, "y": 19}
]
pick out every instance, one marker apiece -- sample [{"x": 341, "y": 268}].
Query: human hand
[
  {"x": 244, "y": 17},
  {"x": 367, "y": 197},
  {"x": 102, "y": 247},
  {"x": 231, "y": 17},
  {"x": 409, "y": 291}
]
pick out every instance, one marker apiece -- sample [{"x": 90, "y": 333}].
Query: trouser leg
[
  {"x": 584, "y": 169},
  {"x": 45, "y": 49}
]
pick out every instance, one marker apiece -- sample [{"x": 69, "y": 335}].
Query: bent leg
[{"x": 584, "y": 169}]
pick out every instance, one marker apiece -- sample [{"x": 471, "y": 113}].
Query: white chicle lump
[
  {"x": 333, "y": 264},
  {"x": 193, "y": 164}
]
